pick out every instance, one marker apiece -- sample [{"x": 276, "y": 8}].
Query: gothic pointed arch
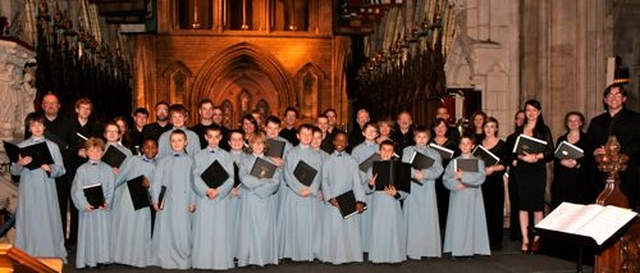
[
  {"x": 308, "y": 82},
  {"x": 233, "y": 67},
  {"x": 177, "y": 79}
]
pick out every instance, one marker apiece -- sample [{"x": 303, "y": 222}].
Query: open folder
[
  {"x": 591, "y": 224},
  {"x": 39, "y": 154}
]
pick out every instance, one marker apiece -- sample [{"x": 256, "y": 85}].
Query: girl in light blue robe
[
  {"x": 420, "y": 208},
  {"x": 287, "y": 148},
  {"x": 172, "y": 239},
  {"x": 131, "y": 229},
  {"x": 236, "y": 142},
  {"x": 388, "y": 242},
  {"x": 94, "y": 224},
  {"x": 466, "y": 233},
  {"x": 257, "y": 229},
  {"x": 361, "y": 153},
  {"x": 340, "y": 237},
  {"x": 299, "y": 228},
  {"x": 211, "y": 241},
  {"x": 38, "y": 225}
]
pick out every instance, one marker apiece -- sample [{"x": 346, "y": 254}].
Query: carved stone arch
[
  {"x": 177, "y": 78},
  {"x": 459, "y": 65},
  {"x": 308, "y": 81},
  {"x": 227, "y": 63}
]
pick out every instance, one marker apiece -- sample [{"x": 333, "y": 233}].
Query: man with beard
[
  {"x": 154, "y": 130},
  {"x": 403, "y": 133},
  {"x": 355, "y": 136}
]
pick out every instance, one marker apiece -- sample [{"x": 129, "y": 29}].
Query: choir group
[{"x": 254, "y": 219}]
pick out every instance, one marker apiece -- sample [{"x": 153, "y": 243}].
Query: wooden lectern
[
  {"x": 624, "y": 254},
  {"x": 13, "y": 259}
]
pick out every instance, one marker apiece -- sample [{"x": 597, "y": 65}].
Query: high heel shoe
[
  {"x": 535, "y": 247},
  {"x": 525, "y": 248}
]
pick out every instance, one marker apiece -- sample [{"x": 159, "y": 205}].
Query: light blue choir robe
[
  {"x": 234, "y": 203},
  {"x": 420, "y": 208},
  {"x": 299, "y": 227},
  {"x": 171, "y": 243},
  {"x": 340, "y": 237},
  {"x": 38, "y": 225},
  {"x": 94, "y": 227},
  {"x": 211, "y": 241},
  {"x": 279, "y": 193},
  {"x": 466, "y": 232},
  {"x": 257, "y": 229},
  {"x": 388, "y": 242},
  {"x": 164, "y": 146},
  {"x": 131, "y": 229},
  {"x": 361, "y": 152}
]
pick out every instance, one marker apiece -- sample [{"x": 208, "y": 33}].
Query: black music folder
[
  {"x": 275, "y": 148},
  {"x": 445, "y": 153},
  {"x": 94, "y": 194},
  {"x": 394, "y": 173},
  {"x": 39, "y": 154},
  {"x": 420, "y": 161},
  {"x": 305, "y": 173},
  {"x": 139, "y": 194},
  {"x": 567, "y": 150},
  {"x": 347, "y": 204},
  {"x": 236, "y": 175},
  {"x": 12, "y": 150},
  {"x": 368, "y": 163},
  {"x": 113, "y": 157},
  {"x": 263, "y": 168},
  {"x": 529, "y": 145},
  {"x": 487, "y": 156},
  {"x": 466, "y": 164},
  {"x": 163, "y": 192},
  {"x": 215, "y": 175}
]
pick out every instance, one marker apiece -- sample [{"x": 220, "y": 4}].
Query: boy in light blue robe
[
  {"x": 178, "y": 115},
  {"x": 257, "y": 229},
  {"x": 38, "y": 225},
  {"x": 272, "y": 129},
  {"x": 361, "y": 153},
  {"x": 299, "y": 221},
  {"x": 340, "y": 237},
  {"x": 131, "y": 229},
  {"x": 388, "y": 232},
  {"x": 237, "y": 154},
  {"x": 420, "y": 208},
  {"x": 171, "y": 243},
  {"x": 211, "y": 241},
  {"x": 466, "y": 233},
  {"x": 94, "y": 223},
  {"x": 316, "y": 143}
]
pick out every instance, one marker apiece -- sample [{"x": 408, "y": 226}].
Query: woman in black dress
[
  {"x": 568, "y": 177},
  {"x": 439, "y": 130},
  {"x": 514, "y": 218},
  {"x": 530, "y": 173},
  {"x": 477, "y": 120},
  {"x": 493, "y": 187}
]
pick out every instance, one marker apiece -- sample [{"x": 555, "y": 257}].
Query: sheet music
[{"x": 595, "y": 221}]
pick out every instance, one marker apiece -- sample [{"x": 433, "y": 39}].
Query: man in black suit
[
  {"x": 622, "y": 123},
  {"x": 161, "y": 125}
]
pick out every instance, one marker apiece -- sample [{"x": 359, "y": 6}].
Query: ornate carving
[{"x": 612, "y": 162}]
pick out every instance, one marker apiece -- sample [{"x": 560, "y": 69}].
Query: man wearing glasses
[
  {"x": 623, "y": 123},
  {"x": 161, "y": 125}
]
